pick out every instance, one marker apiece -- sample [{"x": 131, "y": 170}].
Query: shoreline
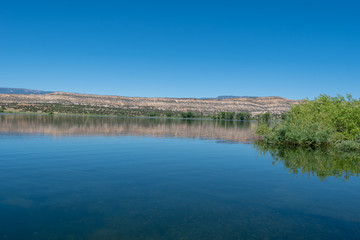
[{"x": 119, "y": 116}]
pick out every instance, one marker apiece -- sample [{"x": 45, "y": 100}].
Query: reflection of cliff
[{"x": 77, "y": 125}]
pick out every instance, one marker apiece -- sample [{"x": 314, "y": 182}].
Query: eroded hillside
[{"x": 275, "y": 105}]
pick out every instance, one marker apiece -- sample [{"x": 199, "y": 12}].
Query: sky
[{"x": 293, "y": 49}]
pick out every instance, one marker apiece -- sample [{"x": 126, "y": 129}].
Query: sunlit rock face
[{"x": 275, "y": 105}]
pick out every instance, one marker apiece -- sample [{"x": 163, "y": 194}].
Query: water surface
[{"x": 68, "y": 177}]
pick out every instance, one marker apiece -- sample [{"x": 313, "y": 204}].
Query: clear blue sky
[{"x": 289, "y": 48}]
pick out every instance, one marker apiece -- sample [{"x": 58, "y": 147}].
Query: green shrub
[
  {"x": 229, "y": 115},
  {"x": 265, "y": 117},
  {"x": 169, "y": 114},
  {"x": 322, "y": 122},
  {"x": 348, "y": 145},
  {"x": 188, "y": 115},
  {"x": 243, "y": 116}
]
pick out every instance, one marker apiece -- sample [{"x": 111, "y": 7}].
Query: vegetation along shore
[{"x": 325, "y": 122}]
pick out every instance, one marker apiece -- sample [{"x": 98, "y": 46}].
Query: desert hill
[{"x": 258, "y": 105}]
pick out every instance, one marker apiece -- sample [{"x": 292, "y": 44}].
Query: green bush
[
  {"x": 232, "y": 116},
  {"x": 188, "y": 115},
  {"x": 169, "y": 114},
  {"x": 229, "y": 115},
  {"x": 243, "y": 116},
  {"x": 322, "y": 122},
  {"x": 265, "y": 117},
  {"x": 348, "y": 145}
]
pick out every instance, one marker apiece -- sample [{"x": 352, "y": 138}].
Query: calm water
[{"x": 112, "y": 178}]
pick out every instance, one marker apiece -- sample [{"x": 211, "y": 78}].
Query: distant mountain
[
  {"x": 229, "y": 97},
  {"x": 39, "y": 92},
  {"x": 22, "y": 91}
]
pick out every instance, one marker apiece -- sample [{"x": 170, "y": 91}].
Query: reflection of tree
[{"x": 322, "y": 163}]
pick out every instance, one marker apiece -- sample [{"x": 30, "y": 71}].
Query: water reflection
[
  {"x": 147, "y": 188},
  {"x": 322, "y": 163},
  {"x": 224, "y": 131}
]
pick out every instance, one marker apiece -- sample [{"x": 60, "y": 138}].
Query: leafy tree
[
  {"x": 265, "y": 117},
  {"x": 169, "y": 114},
  {"x": 243, "y": 116},
  {"x": 229, "y": 115},
  {"x": 188, "y": 115}
]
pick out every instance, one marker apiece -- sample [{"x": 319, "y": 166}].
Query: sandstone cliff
[{"x": 275, "y": 105}]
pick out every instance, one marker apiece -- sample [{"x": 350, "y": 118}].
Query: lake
[{"x": 73, "y": 177}]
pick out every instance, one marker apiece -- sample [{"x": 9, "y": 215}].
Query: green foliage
[
  {"x": 348, "y": 146},
  {"x": 322, "y": 122},
  {"x": 229, "y": 115},
  {"x": 152, "y": 114},
  {"x": 232, "y": 116},
  {"x": 188, "y": 115},
  {"x": 243, "y": 116},
  {"x": 169, "y": 114},
  {"x": 265, "y": 117},
  {"x": 283, "y": 116},
  {"x": 263, "y": 130},
  {"x": 1, "y": 110}
]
